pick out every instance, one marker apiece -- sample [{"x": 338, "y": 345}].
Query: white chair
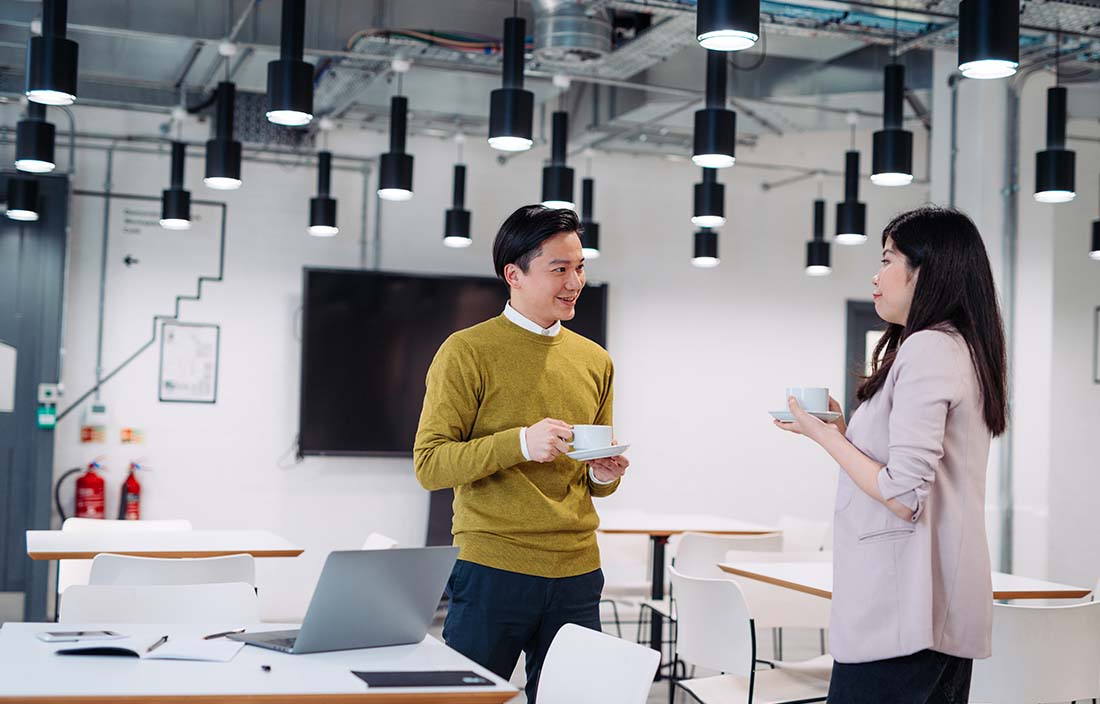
[
  {"x": 698, "y": 555},
  {"x": 715, "y": 631},
  {"x": 584, "y": 666},
  {"x": 802, "y": 535},
  {"x": 626, "y": 577},
  {"x": 147, "y": 571},
  {"x": 1040, "y": 654},
  {"x": 70, "y": 572},
  {"x": 190, "y": 603},
  {"x": 778, "y": 607},
  {"x": 377, "y": 541}
]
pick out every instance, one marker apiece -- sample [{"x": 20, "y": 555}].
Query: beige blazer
[{"x": 904, "y": 586}]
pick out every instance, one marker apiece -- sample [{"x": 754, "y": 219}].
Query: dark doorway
[{"x": 864, "y": 327}]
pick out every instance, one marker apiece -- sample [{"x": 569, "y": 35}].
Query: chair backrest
[
  {"x": 588, "y": 667},
  {"x": 803, "y": 535},
  {"x": 377, "y": 541},
  {"x": 698, "y": 554},
  {"x": 148, "y": 571},
  {"x": 233, "y": 603},
  {"x": 713, "y": 626},
  {"x": 623, "y": 562},
  {"x": 1041, "y": 654},
  {"x": 778, "y": 607},
  {"x": 70, "y": 572}
]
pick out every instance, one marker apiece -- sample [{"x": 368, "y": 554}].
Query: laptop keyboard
[{"x": 283, "y": 642}]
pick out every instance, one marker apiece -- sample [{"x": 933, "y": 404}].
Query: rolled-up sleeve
[{"x": 926, "y": 388}]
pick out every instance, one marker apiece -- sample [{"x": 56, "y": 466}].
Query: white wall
[{"x": 1074, "y": 552}]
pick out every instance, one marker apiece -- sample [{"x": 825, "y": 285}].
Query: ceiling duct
[{"x": 571, "y": 31}]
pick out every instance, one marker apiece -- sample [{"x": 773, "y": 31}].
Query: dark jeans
[
  {"x": 494, "y": 614},
  {"x": 926, "y": 677}
]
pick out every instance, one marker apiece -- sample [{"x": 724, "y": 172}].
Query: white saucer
[
  {"x": 786, "y": 417},
  {"x": 597, "y": 453}
]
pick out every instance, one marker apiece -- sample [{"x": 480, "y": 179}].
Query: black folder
[{"x": 423, "y": 678}]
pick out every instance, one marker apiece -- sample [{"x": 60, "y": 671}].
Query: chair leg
[
  {"x": 779, "y": 655},
  {"x": 615, "y": 616}
]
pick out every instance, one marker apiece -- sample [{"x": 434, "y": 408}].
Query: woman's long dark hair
[{"x": 954, "y": 290}]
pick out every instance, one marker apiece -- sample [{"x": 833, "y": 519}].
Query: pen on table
[
  {"x": 154, "y": 646},
  {"x": 223, "y": 633}
]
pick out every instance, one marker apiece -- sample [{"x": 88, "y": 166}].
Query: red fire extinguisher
[
  {"x": 90, "y": 499},
  {"x": 129, "y": 504}
]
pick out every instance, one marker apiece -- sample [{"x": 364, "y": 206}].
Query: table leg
[{"x": 657, "y": 591}]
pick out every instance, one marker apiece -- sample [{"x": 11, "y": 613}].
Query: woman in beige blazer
[{"x": 912, "y": 600}]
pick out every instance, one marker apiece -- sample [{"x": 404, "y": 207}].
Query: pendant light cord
[
  {"x": 1058, "y": 56},
  {"x": 895, "y": 49}
]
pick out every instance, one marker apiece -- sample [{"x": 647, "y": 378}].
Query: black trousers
[
  {"x": 494, "y": 614},
  {"x": 926, "y": 677}
]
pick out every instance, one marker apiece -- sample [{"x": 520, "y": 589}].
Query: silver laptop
[{"x": 366, "y": 599}]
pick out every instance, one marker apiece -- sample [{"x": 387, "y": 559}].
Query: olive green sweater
[{"x": 485, "y": 383}]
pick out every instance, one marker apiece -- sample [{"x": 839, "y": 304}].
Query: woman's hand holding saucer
[{"x": 808, "y": 425}]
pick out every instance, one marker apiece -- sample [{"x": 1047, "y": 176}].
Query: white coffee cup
[
  {"x": 591, "y": 437},
  {"x": 811, "y": 398}
]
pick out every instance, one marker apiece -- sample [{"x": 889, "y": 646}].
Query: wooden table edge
[
  {"x": 375, "y": 697},
  {"x": 777, "y": 582},
  {"x": 997, "y": 595},
  {"x": 1049, "y": 594},
  {"x": 89, "y": 554}
]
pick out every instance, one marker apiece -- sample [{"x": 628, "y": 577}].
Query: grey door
[
  {"x": 32, "y": 267},
  {"x": 864, "y": 329}
]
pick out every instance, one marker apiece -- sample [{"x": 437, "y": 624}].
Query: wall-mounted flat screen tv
[{"x": 367, "y": 340}]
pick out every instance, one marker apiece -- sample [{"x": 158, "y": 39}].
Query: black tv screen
[{"x": 368, "y": 338}]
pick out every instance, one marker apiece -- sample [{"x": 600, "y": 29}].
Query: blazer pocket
[{"x": 886, "y": 535}]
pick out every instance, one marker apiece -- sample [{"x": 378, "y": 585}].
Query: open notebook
[{"x": 174, "y": 648}]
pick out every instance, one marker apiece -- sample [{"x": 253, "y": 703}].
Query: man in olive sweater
[{"x": 501, "y": 400}]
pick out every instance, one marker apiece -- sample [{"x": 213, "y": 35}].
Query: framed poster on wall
[{"x": 188, "y": 363}]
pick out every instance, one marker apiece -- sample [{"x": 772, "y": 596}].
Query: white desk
[
  {"x": 659, "y": 527},
  {"x": 78, "y": 545},
  {"x": 32, "y": 673},
  {"x": 817, "y": 578}
]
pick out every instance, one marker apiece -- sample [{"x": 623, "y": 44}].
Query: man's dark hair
[{"x": 520, "y": 238}]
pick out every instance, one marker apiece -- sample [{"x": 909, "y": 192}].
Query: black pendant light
[
  {"x": 1094, "y": 248},
  {"x": 175, "y": 202},
  {"x": 52, "y": 59},
  {"x": 456, "y": 226},
  {"x": 557, "y": 178},
  {"x": 590, "y": 229},
  {"x": 1055, "y": 165},
  {"x": 223, "y": 153},
  {"x": 395, "y": 175},
  {"x": 22, "y": 199},
  {"x": 710, "y": 201},
  {"x": 511, "y": 108},
  {"x": 715, "y": 125},
  {"x": 289, "y": 78},
  {"x": 34, "y": 141},
  {"x": 705, "y": 252},
  {"x": 892, "y": 154},
  {"x": 322, "y": 207},
  {"x": 817, "y": 249},
  {"x": 989, "y": 38},
  {"x": 851, "y": 215},
  {"x": 727, "y": 25}
]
